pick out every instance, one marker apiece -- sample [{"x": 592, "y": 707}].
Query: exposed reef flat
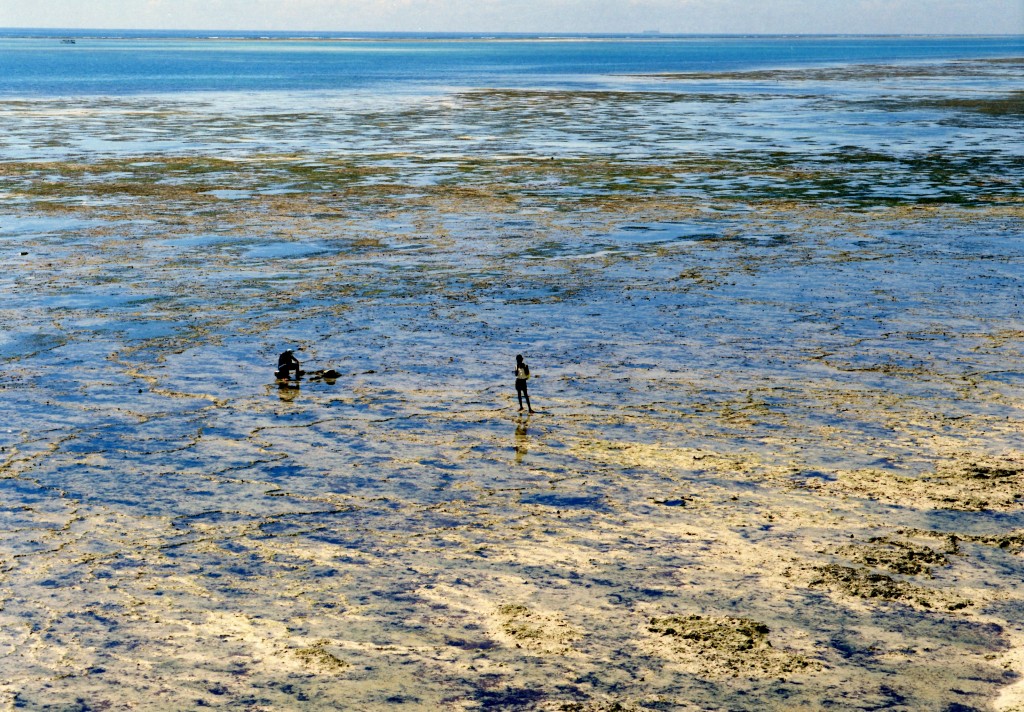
[{"x": 779, "y": 463}]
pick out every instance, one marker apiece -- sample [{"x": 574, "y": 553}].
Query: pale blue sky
[{"x": 682, "y": 16}]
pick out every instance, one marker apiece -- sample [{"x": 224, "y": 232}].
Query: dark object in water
[
  {"x": 287, "y": 365},
  {"x": 329, "y": 375}
]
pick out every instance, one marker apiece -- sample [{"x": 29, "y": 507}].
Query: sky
[{"x": 595, "y": 16}]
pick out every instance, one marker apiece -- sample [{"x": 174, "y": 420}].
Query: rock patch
[
  {"x": 535, "y": 631},
  {"x": 318, "y": 658},
  {"x": 723, "y": 646},
  {"x": 862, "y": 582},
  {"x": 899, "y": 556},
  {"x": 963, "y": 484}
]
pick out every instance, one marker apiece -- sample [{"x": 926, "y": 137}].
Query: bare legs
[{"x": 521, "y": 392}]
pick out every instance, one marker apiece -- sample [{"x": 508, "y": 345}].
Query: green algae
[
  {"x": 849, "y": 175},
  {"x": 1009, "y": 105},
  {"x": 857, "y": 72}
]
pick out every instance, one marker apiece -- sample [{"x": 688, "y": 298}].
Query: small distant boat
[{"x": 67, "y": 40}]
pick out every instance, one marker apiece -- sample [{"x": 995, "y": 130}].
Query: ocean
[
  {"x": 803, "y": 96},
  {"x": 119, "y": 64},
  {"x": 769, "y": 290}
]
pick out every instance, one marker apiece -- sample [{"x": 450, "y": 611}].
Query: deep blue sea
[{"x": 45, "y": 63}]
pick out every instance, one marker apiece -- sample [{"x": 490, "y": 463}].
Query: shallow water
[{"x": 766, "y": 374}]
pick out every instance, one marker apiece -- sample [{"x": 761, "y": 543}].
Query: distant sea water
[{"x": 49, "y": 63}]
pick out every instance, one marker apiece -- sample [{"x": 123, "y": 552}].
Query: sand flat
[{"x": 778, "y": 462}]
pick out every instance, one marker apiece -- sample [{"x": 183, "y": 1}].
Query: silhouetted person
[
  {"x": 286, "y": 363},
  {"x": 522, "y": 376}
]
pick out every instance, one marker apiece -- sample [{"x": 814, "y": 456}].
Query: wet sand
[{"x": 777, "y": 465}]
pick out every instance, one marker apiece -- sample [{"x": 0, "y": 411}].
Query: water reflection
[
  {"x": 522, "y": 438},
  {"x": 287, "y": 391}
]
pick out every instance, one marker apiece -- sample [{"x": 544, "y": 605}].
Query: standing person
[
  {"x": 522, "y": 376},
  {"x": 286, "y": 363}
]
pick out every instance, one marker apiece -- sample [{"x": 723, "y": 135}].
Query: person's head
[{"x": 519, "y": 358}]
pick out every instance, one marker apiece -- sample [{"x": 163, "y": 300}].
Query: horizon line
[{"x": 651, "y": 33}]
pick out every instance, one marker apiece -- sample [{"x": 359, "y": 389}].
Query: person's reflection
[
  {"x": 287, "y": 391},
  {"x": 522, "y": 439}
]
